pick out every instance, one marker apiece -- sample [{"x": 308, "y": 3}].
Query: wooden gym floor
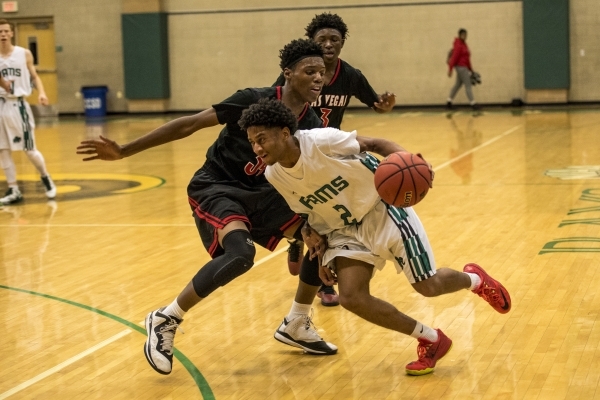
[{"x": 517, "y": 192}]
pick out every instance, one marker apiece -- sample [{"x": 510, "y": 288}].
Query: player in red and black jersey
[
  {"x": 341, "y": 82},
  {"x": 233, "y": 204}
]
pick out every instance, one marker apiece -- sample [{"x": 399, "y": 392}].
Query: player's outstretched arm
[
  {"x": 384, "y": 148},
  {"x": 386, "y": 102},
  {"x": 379, "y": 146},
  {"x": 109, "y": 150}
]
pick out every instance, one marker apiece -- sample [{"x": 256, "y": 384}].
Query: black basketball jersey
[
  {"x": 347, "y": 81},
  {"x": 231, "y": 157}
]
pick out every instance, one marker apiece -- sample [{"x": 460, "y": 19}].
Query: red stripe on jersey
[
  {"x": 337, "y": 72},
  {"x": 290, "y": 223},
  {"x": 303, "y": 111},
  {"x": 218, "y": 224},
  {"x": 273, "y": 242},
  {"x": 305, "y": 106}
]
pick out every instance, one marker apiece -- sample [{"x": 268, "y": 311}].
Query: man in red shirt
[{"x": 461, "y": 61}]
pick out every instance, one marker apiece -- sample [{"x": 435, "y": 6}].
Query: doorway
[{"x": 38, "y": 37}]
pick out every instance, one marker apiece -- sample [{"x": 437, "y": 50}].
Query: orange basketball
[{"x": 403, "y": 179}]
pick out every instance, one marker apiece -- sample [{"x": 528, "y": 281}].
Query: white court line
[
  {"x": 108, "y": 341},
  {"x": 442, "y": 165},
  {"x": 64, "y": 364},
  {"x": 481, "y": 146},
  {"x": 267, "y": 258},
  {"x": 256, "y": 264}
]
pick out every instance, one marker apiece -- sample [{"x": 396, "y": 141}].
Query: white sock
[
  {"x": 174, "y": 310},
  {"x": 475, "y": 280},
  {"x": 473, "y": 103},
  {"x": 298, "y": 310},
  {"x": 424, "y": 332}
]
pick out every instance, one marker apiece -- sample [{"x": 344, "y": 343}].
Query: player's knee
[
  {"x": 351, "y": 301},
  {"x": 6, "y": 160},
  {"x": 239, "y": 255},
  {"x": 429, "y": 287},
  {"x": 309, "y": 271}
]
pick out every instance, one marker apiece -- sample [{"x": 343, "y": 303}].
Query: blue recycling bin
[{"x": 94, "y": 100}]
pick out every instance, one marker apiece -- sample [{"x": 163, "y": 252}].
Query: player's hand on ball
[
  {"x": 100, "y": 149},
  {"x": 430, "y": 169}
]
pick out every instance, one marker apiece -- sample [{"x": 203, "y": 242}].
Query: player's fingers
[
  {"x": 323, "y": 274},
  {"x": 311, "y": 253},
  {"x": 91, "y": 158},
  {"x": 87, "y": 143},
  {"x": 89, "y": 151},
  {"x": 326, "y": 275}
]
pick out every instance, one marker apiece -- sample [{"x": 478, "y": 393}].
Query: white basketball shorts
[
  {"x": 16, "y": 125},
  {"x": 385, "y": 233}
]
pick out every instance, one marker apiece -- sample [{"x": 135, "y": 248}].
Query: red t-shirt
[{"x": 461, "y": 55}]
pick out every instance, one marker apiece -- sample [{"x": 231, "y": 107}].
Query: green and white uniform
[
  {"x": 332, "y": 185},
  {"x": 17, "y": 123}
]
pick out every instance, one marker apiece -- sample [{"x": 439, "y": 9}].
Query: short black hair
[
  {"x": 461, "y": 31},
  {"x": 327, "y": 20},
  {"x": 269, "y": 113},
  {"x": 298, "y": 49}
]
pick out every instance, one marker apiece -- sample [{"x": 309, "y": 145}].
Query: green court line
[{"x": 202, "y": 384}]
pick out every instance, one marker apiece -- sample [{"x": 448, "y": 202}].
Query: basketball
[{"x": 403, "y": 179}]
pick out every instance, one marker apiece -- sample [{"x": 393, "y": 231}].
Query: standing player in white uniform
[
  {"x": 325, "y": 175},
  {"x": 16, "y": 120}
]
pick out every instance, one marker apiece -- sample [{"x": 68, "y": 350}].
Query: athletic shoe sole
[
  {"x": 428, "y": 370},
  {"x": 316, "y": 349},
  {"x": 326, "y": 302}
]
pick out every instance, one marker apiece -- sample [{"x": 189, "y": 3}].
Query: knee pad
[
  {"x": 237, "y": 266},
  {"x": 237, "y": 260},
  {"x": 309, "y": 271}
]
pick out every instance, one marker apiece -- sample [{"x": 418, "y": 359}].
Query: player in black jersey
[
  {"x": 233, "y": 204},
  {"x": 341, "y": 82}
]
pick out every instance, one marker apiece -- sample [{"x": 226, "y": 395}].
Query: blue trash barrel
[{"x": 94, "y": 100}]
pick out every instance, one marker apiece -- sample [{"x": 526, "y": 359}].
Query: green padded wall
[
  {"x": 546, "y": 44},
  {"x": 146, "y": 55}
]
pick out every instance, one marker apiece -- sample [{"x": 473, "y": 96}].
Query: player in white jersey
[
  {"x": 16, "y": 120},
  {"x": 325, "y": 175}
]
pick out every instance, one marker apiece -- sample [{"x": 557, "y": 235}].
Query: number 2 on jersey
[{"x": 346, "y": 215}]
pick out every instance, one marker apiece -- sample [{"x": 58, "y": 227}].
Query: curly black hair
[
  {"x": 268, "y": 113},
  {"x": 296, "y": 50},
  {"x": 327, "y": 20}
]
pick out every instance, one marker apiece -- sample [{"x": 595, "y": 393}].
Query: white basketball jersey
[
  {"x": 14, "y": 69},
  {"x": 332, "y": 182}
]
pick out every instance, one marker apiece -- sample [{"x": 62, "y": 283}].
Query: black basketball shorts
[{"x": 217, "y": 202}]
